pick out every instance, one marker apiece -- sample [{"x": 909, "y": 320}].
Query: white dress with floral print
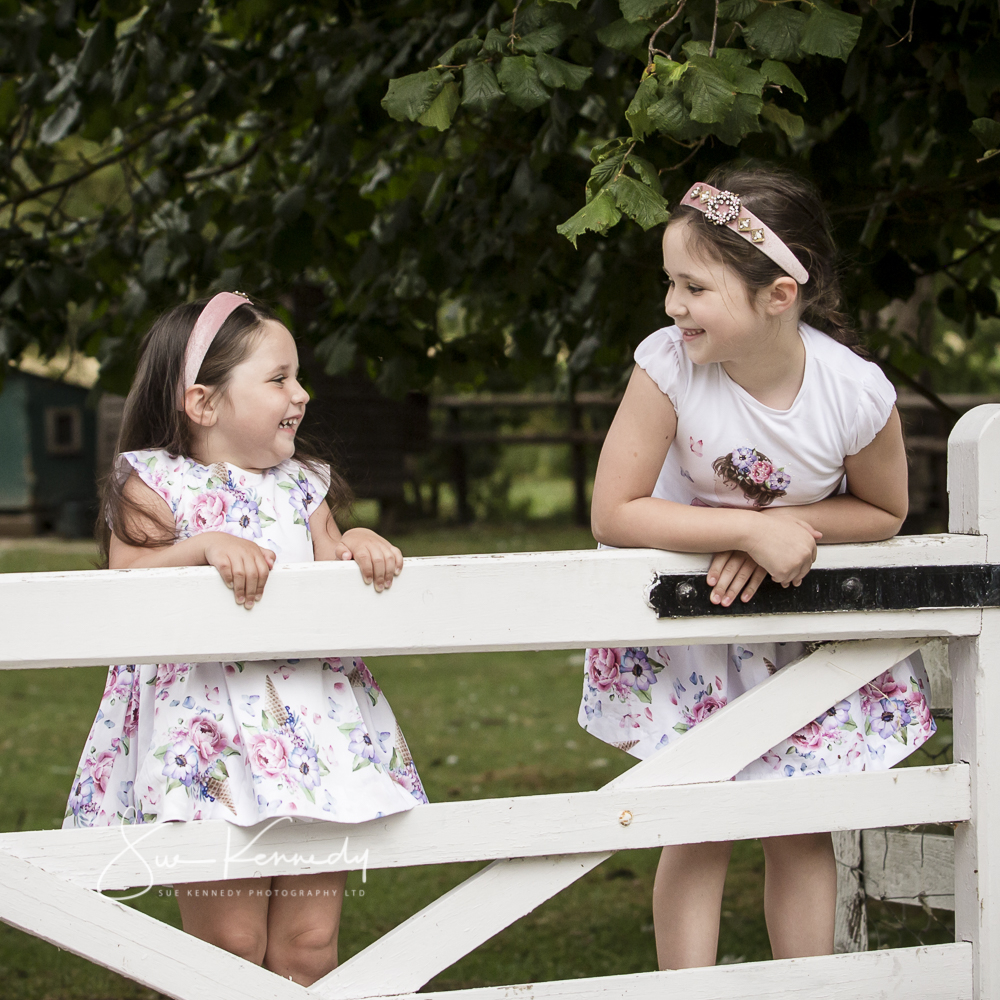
[
  {"x": 241, "y": 741},
  {"x": 730, "y": 450}
]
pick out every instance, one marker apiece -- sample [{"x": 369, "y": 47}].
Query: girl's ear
[
  {"x": 199, "y": 405},
  {"x": 782, "y": 295}
]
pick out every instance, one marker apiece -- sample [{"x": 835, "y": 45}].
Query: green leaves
[
  {"x": 791, "y": 124},
  {"x": 779, "y": 73},
  {"x": 480, "y": 89},
  {"x": 443, "y": 108},
  {"x": 830, "y": 32},
  {"x": 623, "y": 35},
  {"x": 711, "y": 94},
  {"x": 557, "y": 73},
  {"x": 637, "y": 10},
  {"x": 611, "y": 192},
  {"x": 638, "y": 201},
  {"x": 598, "y": 216},
  {"x": 775, "y": 31},
  {"x": 987, "y": 131},
  {"x": 519, "y": 79},
  {"x": 782, "y": 32},
  {"x": 410, "y": 96}
]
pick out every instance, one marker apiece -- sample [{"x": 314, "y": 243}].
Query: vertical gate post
[
  {"x": 974, "y": 502},
  {"x": 851, "y": 926}
]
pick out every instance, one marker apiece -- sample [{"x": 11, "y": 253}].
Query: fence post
[
  {"x": 459, "y": 473},
  {"x": 974, "y": 504},
  {"x": 581, "y": 511},
  {"x": 851, "y": 928}
]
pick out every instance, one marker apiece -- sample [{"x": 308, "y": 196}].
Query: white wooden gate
[{"x": 538, "y": 844}]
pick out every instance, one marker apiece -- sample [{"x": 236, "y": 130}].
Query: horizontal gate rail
[
  {"x": 535, "y": 600},
  {"x": 486, "y": 829}
]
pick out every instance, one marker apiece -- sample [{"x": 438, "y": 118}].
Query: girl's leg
[
  {"x": 235, "y": 918},
  {"x": 687, "y": 903},
  {"x": 303, "y": 922},
  {"x": 800, "y": 894}
]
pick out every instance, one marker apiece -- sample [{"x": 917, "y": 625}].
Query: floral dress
[
  {"x": 731, "y": 450},
  {"x": 241, "y": 741}
]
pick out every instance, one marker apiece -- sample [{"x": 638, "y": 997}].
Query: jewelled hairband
[
  {"x": 725, "y": 209},
  {"x": 208, "y": 324}
]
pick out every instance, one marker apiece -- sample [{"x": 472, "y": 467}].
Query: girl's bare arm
[
  {"x": 243, "y": 565},
  {"x": 877, "y": 503}
]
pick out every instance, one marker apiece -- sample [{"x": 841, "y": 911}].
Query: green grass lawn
[{"x": 479, "y": 725}]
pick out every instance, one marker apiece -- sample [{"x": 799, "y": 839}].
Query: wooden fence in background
[{"x": 586, "y": 416}]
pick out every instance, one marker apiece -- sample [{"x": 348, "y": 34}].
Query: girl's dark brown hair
[
  {"x": 760, "y": 493},
  {"x": 151, "y": 420},
  {"x": 793, "y": 209}
]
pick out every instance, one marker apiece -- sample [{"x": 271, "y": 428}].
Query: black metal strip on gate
[{"x": 883, "y": 588}]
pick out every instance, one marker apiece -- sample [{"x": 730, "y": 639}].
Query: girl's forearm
[
  {"x": 663, "y": 524},
  {"x": 186, "y": 552},
  {"x": 844, "y": 518}
]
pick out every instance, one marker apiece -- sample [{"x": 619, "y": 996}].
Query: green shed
[{"x": 48, "y": 456}]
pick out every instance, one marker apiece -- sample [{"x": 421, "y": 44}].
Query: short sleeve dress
[
  {"x": 242, "y": 741},
  {"x": 731, "y": 450}
]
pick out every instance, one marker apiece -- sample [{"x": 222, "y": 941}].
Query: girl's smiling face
[
  {"x": 257, "y": 415},
  {"x": 709, "y": 302}
]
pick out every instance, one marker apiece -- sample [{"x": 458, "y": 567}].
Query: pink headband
[
  {"x": 208, "y": 324},
  {"x": 724, "y": 209}
]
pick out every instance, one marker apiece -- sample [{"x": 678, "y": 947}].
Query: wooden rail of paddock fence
[
  {"x": 926, "y": 438},
  {"x": 537, "y": 845}
]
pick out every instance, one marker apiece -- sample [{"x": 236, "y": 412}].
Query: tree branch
[
  {"x": 92, "y": 168},
  {"x": 673, "y": 17},
  {"x": 202, "y": 175}
]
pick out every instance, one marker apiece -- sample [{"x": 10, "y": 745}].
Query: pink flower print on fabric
[
  {"x": 703, "y": 708},
  {"x": 101, "y": 768},
  {"x": 760, "y": 472},
  {"x": 210, "y": 510},
  {"x": 603, "y": 668},
  {"x": 811, "y": 736},
  {"x": 207, "y": 737},
  {"x": 695, "y": 446},
  {"x": 270, "y": 753}
]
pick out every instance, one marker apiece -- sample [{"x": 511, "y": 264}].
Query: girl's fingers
[
  {"x": 398, "y": 555},
  {"x": 363, "y": 559},
  {"x": 225, "y": 570},
  {"x": 739, "y": 580},
  {"x": 719, "y": 560},
  {"x": 250, "y": 569},
  {"x": 342, "y": 551},
  {"x": 239, "y": 582},
  {"x": 726, "y": 576},
  {"x": 263, "y": 571},
  {"x": 378, "y": 568},
  {"x": 756, "y": 580}
]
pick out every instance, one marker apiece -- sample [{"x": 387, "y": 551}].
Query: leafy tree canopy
[{"x": 462, "y": 194}]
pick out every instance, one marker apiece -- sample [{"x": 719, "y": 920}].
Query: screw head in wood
[
  {"x": 626, "y": 817},
  {"x": 685, "y": 592},
  {"x": 852, "y": 588}
]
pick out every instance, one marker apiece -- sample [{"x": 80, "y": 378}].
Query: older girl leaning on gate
[
  {"x": 210, "y": 473},
  {"x": 750, "y": 430}
]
